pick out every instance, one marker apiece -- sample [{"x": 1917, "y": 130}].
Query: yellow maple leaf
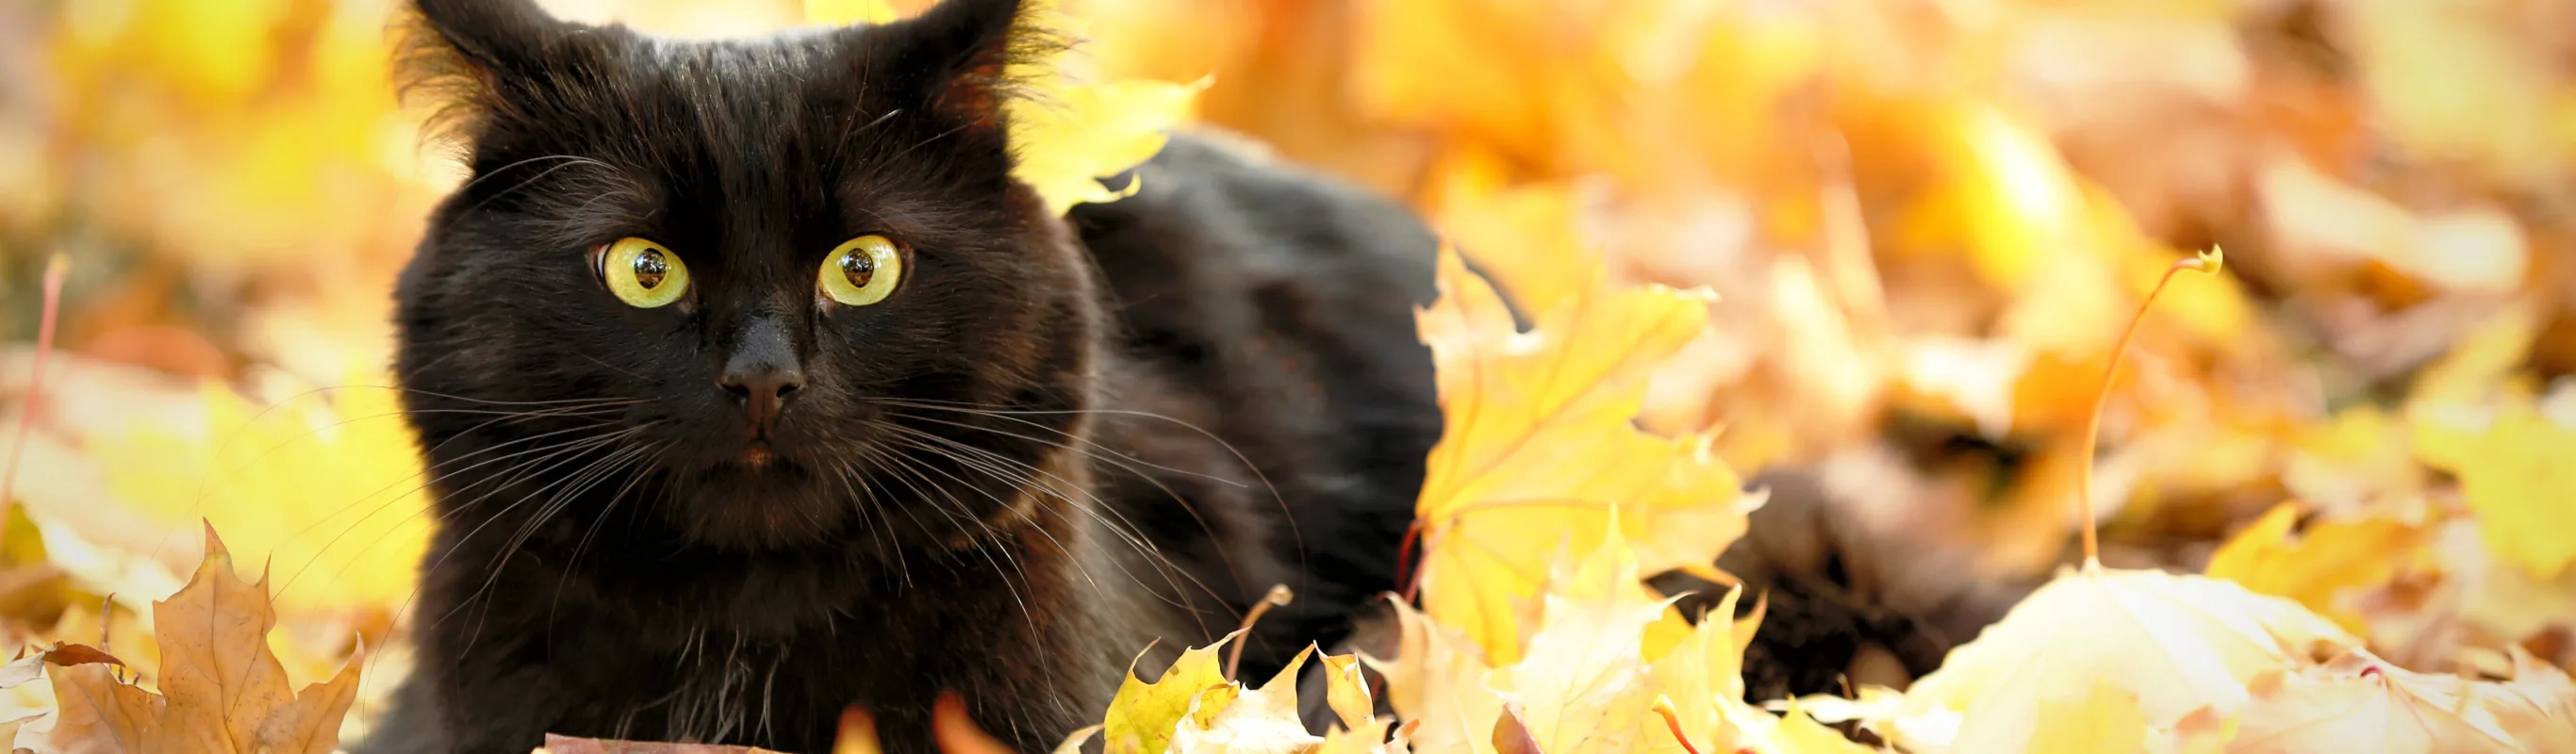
[
  {"x": 1347, "y": 692},
  {"x": 1143, "y": 716},
  {"x": 1072, "y": 136},
  {"x": 1436, "y": 683},
  {"x": 2329, "y": 559},
  {"x": 323, "y": 488},
  {"x": 1703, "y": 678},
  {"x": 1255, "y": 721},
  {"x": 1067, "y": 132},
  {"x": 1525, "y": 236},
  {"x": 1540, "y": 448},
  {"x": 1583, "y": 682},
  {"x": 2179, "y": 644},
  {"x": 2518, "y": 473},
  {"x": 1070, "y": 132},
  {"x": 222, "y": 689}
]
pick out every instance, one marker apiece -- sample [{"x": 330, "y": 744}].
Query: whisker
[
  {"x": 1121, "y": 528},
  {"x": 1224, "y": 557}
]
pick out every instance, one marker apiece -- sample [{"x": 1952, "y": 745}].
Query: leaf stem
[
  {"x": 1279, "y": 596},
  {"x": 56, "y": 269},
  {"x": 2208, "y": 261},
  {"x": 1673, "y": 722}
]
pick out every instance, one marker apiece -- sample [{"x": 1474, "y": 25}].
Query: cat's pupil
[
  {"x": 859, "y": 268},
  {"x": 650, "y": 269}
]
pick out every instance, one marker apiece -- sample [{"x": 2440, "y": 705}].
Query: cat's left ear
[
  {"x": 959, "y": 56},
  {"x": 491, "y": 62}
]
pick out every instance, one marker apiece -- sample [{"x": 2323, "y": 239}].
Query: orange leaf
[{"x": 222, "y": 688}]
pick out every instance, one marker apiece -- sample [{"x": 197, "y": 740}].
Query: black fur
[{"x": 1060, "y": 440}]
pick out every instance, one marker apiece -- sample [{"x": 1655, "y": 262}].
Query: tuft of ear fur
[
  {"x": 971, "y": 57},
  {"x": 477, "y": 59}
]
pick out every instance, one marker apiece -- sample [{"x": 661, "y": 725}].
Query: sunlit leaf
[{"x": 1540, "y": 448}]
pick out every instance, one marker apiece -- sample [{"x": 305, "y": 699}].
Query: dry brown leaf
[{"x": 222, "y": 689}]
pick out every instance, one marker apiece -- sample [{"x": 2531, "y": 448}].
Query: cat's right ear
[{"x": 482, "y": 60}]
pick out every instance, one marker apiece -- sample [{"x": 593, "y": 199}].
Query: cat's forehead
[{"x": 776, "y": 75}]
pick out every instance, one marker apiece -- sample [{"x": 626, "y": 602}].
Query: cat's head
[{"x": 755, "y": 290}]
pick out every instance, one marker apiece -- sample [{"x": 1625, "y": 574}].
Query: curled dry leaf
[
  {"x": 1541, "y": 448},
  {"x": 222, "y": 690}
]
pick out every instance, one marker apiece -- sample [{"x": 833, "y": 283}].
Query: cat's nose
[
  {"x": 762, "y": 389},
  {"x": 761, "y": 373}
]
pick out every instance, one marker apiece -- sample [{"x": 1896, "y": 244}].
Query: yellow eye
[
  {"x": 863, "y": 271},
  {"x": 642, "y": 273}
]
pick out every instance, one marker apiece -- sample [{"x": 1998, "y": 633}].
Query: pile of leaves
[{"x": 1890, "y": 251}]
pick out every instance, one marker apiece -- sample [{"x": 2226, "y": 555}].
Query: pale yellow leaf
[{"x": 1540, "y": 447}]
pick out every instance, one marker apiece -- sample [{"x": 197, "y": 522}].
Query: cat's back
[{"x": 1275, "y": 307}]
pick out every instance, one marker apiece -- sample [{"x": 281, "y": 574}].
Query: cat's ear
[
  {"x": 961, "y": 55},
  {"x": 484, "y": 58}
]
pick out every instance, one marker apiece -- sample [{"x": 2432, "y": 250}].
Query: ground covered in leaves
[{"x": 1823, "y": 299}]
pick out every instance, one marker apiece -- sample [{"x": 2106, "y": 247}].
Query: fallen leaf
[
  {"x": 2518, "y": 473},
  {"x": 1511, "y": 736},
  {"x": 1583, "y": 685},
  {"x": 2536, "y": 707},
  {"x": 1436, "y": 683},
  {"x": 1540, "y": 448},
  {"x": 2104, "y": 720},
  {"x": 2357, "y": 702},
  {"x": 1347, "y": 691},
  {"x": 1703, "y": 676},
  {"x": 1143, "y": 717},
  {"x": 1367, "y": 738},
  {"x": 957, "y": 732},
  {"x": 222, "y": 689},
  {"x": 1255, "y": 721},
  {"x": 2322, "y": 563}
]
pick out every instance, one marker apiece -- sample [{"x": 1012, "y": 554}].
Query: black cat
[{"x": 754, "y": 387}]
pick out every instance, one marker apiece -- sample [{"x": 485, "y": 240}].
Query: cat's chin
[{"x": 771, "y": 504}]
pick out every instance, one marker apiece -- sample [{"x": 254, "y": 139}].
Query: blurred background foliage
[{"x": 1926, "y": 221}]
